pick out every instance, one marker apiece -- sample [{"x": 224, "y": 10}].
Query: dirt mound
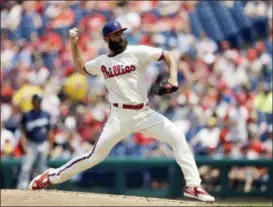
[{"x": 68, "y": 198}]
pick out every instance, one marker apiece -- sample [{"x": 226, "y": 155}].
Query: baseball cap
[
  {"x": 112, "y": 27},
  {"x": 37, "y": 97}
]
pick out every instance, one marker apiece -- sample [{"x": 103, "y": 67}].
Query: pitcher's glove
[{"x": 165, "y": 87}]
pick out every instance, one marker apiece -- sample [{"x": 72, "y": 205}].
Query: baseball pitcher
[{"x": 123, "y": 69}]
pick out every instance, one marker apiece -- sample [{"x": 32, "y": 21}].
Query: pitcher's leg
[
  {"x": 159, "y": 127},
  {"x": 111, "y": 134}
]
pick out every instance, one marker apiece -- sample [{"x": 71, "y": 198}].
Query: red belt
[{"x": 128, "y": 106}]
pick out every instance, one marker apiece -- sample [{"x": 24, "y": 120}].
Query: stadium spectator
[
  {"x": 268, "y": 141},
  {"x": 23, "y": 97},
  {"x": 205, "y": 46},
  {"x": 207, "y": 139},
  {"x": 67, "y": 141},
  {"x": 8, "y": 142}
]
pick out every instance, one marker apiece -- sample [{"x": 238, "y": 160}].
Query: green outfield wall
[{"x": 119, "y": 167}]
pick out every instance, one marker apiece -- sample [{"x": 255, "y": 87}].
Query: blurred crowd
[{"x": 224, "y": 105}]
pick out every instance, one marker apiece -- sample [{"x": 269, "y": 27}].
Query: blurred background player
[{"x": 36, "y": 141}]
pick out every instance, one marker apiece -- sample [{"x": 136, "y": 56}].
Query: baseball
[{"x": 73, "y": 32}]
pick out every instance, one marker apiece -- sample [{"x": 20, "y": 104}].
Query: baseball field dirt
[{"x": 68, "y": 198}]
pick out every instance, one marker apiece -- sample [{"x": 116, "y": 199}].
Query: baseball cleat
[
  {"x": 198, "y": 193},
  {"x": 40, "y": 182}
]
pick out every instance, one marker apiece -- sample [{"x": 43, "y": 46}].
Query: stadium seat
[
  {"x": 79, "y": 13},
  {"x": 209, "y": 21},
  {"x": 226, "y": 23},
  {"x": 15, "y": 35},
  {"x": 223, "y": 18},
  {"x": 243, "y": 22},
  {"x": 49, "y": 60},
  {"x": 45, "y": 19},
  {"x": 28, "y": 27},
  {"x": 196, "y": 26},
  {"x": 63, "y": 31},
  {"x": 260, "y": 25}
]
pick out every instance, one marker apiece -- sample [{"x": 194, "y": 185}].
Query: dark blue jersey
[{"x": 36, "y": 124}]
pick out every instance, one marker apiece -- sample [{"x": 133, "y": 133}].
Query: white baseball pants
[{"x": 121, "y": 123}]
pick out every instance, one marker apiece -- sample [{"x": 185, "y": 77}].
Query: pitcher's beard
[{"x": 117, "y": 47}]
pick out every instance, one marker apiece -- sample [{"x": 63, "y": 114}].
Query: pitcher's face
[{"x": 117, "y": 42}]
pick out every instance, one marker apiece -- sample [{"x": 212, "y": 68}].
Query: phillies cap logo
[{"x": 116, "y": 24}]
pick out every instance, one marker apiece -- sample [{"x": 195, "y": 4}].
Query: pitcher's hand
[{"x": 74, "y": 34}]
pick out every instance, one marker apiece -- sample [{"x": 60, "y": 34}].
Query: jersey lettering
[
  {"x": 36, "y": 123},
  {"x": 117, "y": 70}
]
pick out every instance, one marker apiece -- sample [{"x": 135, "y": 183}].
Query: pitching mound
[{"x": 67, "y": 198}]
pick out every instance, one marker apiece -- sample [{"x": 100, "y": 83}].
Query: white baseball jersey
[{"x": 124, "y": 73}]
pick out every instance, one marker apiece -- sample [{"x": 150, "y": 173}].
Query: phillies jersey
[{"x": 124, "y": 73}]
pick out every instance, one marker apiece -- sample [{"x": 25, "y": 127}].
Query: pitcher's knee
[{"x": 176, "y": 135}]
